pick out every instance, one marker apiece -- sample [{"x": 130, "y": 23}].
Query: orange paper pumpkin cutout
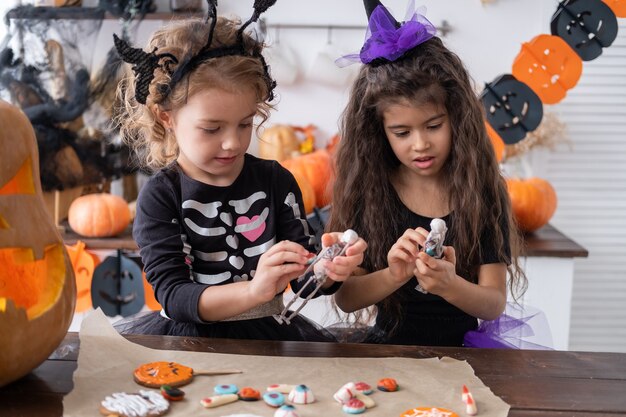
[
  {"x": 150, "y": 300},
  {"x": 618, "y": 7},
  {"x": 549, "y": 66},
  {"x": 496, "y": 141},
  {"x": 83, "y": 263}
]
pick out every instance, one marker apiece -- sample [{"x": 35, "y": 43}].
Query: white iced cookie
[
  {"x": 217, "y": 400},
  {"x": 282, "y": 388},
  {"x": 286, "y": 411},
  {"x": 345, "y": 393},
  {"x": 144, "y": 404},
  {"x": 301, "y": 394},
  {"x": 367, "y": 400}
]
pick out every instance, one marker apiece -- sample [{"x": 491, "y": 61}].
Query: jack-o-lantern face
[
  {"x": 37, "y": 291},
  {"x": 512, "y": 108}
]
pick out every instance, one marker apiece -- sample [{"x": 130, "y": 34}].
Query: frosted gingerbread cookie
[
  {"x": 143, "y": 404},
  {"x": 429, "y": 412},
  {"x": 156, "y": 374}
]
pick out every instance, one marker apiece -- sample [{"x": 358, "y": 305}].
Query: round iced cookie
[
  {"x": 249, "y": 394},
  {"x": 387, "y": 385},
  {"x": 286, "y": 411},
  {"x": 274, "y": 398},
  {"x": 301, "y": 394},
  {"x": 223, "y": 389},
  {"x": 143, "y": 404},
  {"x": 172, "y": 393},
  {"x": 363, "y": 387},
  {"x": 429, "y": 412},
  {"x": 155, "y": 374},
  {"x": 353, "y": 406}
]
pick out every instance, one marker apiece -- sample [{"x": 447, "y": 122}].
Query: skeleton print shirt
[{"x": 192, "y": 235}]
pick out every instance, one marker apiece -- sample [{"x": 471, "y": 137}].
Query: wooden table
[{"x": 534, "y": 383}]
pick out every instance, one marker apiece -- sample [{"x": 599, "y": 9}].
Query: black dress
[
  {"x": 428, "y": 319},
  {"x": 192, "y": 235}
]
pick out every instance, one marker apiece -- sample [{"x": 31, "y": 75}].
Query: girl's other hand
[
  {"x": 403, "y": 254},
  {"x": 342, "y": 267},
  {"x": 280, "y": 264},
  {"x": 436, "y": 275}
]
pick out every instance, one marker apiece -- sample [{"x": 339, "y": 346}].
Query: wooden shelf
[
  {"x": 85, "y": 13},
  {"x": 123, "y": 241},
  {"x": 550, "y": 242},
  {"x": 545, "y": 242}
]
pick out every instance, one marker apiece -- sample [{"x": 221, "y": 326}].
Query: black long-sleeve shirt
[{"x": 192, "y": 235}]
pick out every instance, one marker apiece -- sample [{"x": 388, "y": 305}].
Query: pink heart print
[{"x": 253, "y": 234}]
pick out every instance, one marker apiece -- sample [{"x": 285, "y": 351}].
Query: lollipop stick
[{"x": 219, "y": 372}]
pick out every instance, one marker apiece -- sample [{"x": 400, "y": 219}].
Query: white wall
[{"x": 487, "y": 37}]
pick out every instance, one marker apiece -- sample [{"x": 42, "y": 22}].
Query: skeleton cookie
[{"x": 143, "y": 404}]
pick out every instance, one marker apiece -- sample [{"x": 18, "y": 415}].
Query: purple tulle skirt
[{"x": 519, "y": 327}]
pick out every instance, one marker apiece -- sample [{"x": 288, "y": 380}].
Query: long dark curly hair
[{"x": 364, "y": 198}]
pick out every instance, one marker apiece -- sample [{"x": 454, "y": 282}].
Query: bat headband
[
  {"x": 145, "y": 63},
  {"x": 388, "y": 40}
]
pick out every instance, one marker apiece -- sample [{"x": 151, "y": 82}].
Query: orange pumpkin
[
  {"x": 37, "y": 289},
  {"x": 278, "y": 142},
  {"x": 308, "y": 193},
  {"x": 317, "y": 168},
  {"x": 99, "y": 215},
  {"x": 533, "y": 202}
]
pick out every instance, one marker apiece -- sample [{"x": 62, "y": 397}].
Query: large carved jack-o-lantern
[{"x": 37, "y": 288}]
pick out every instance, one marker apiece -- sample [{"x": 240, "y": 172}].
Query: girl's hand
[
  {"x": 340, "y": 268},
  {"x": 403, "y": 254},
  {"x": 280, "y": 264},
  {"x": 436, "y": 275}
]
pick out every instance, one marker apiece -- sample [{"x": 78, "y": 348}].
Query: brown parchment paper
[{"x": 106, "y": 362}]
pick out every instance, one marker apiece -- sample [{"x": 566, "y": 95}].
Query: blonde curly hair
[{"x": 140, "y": 125}]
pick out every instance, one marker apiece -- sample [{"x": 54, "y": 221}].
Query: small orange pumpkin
[
  {"x": 99, "y": 215},
  {"x": 37, "y": 289},
  {"x": 278, "y": 142},
  {"x": 533, "y": 201},
  {"x": 317, "y": 167},
  {"x": 308, "y": 193}
]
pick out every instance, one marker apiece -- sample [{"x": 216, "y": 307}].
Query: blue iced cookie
[
  {"x": 226, "y": 389},
  {"x": 274, "y": 399}
]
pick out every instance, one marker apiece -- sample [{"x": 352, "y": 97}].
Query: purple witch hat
[{"x": 387, "y": 39}]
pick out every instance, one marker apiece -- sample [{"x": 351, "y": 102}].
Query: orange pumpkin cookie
[
  {"x": 249, "y": 394},
  {"x": 429, "y": 412},
  {"x": 143, "y": 404},
  {"x": 387, "y": 385},
  {"x": 155, "y": 374}
]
